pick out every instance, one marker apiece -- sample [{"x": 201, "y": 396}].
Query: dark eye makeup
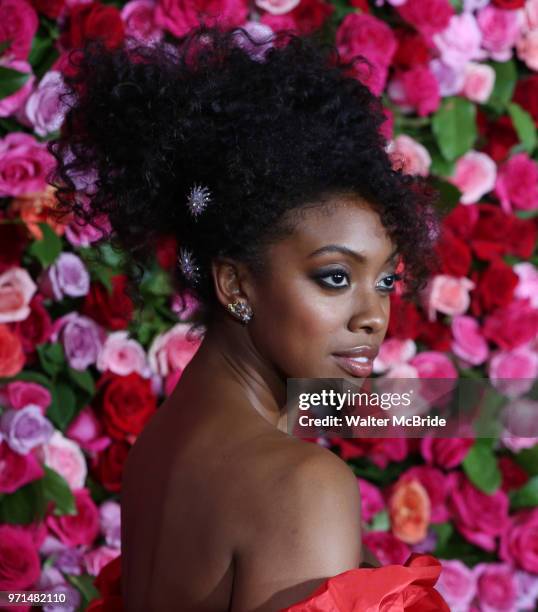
[{"x": 338, "y": 275}]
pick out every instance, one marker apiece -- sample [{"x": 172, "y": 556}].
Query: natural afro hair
[{"x": 267, "y": 129}]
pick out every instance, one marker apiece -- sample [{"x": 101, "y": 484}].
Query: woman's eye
[
  {"x": 336, "y": 280},
  {"x": 392, "y": 278}
]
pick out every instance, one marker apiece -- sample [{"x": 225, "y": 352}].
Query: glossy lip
[{"x": 347, "y": 360}]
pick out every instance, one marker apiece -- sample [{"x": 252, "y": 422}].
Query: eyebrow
[{"x": 360, "y": 257}]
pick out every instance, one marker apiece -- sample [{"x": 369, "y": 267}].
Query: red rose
[
  {"x": 167, "y": 252},
  {"x": 306, "y": 17},
  {"x": 412, "y": 49},
  {"x": 435, "y": 335},
  {"x": 109, "y": 584},
  {"x": 513, "y": 325},
  {"x": 90, "y": 21},
  {"x": 360, "y": 4},
  {"x": 127, "y": 403},
  {"x": 487, "y": 238},
  {"x": 496, "y": 286},
  {"x": 499, "y": 136},
  {"x": 513, "y": 476},
  {"x": 19, "y": 561},
  {"x": 454, "y": 254},
  {"x": 36, "y": 328},
  {"x": 49, "y": 8},
  {"x": 521, "y": 237},
  {"x": 509, "y": 5},
  {"x": 461, "y": 220},
  {"x": 17, "y": 470},
  {"x": 112, "y": 310},
  {"x": 13, "y": 241},
  {"x": 404, "y": 321},
  {"x": 526, "y": 95},
  {"x": 428, "y": 16},
  {"x": 380, "y": 451},
  {"x": 110, "y": 465},
  {"x": 80, "y": 528}
]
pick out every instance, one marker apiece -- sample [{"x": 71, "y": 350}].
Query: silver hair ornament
[
  {"x": 198, "y": 199},
  {"x": 187, "y": 265}
]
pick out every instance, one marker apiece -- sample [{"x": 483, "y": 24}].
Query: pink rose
[
  {"x": 513, "y": 372},
  {"x": 110, "y": 523},
  {"x": 386, "y": 547},
  {"x": 520, "y": 424},
  {"x": 24, "y": 164},
  {"x": 9, "y": 105},
  {"x": 402, "y": 370},
  {"x": 410, "y": 156},
  {"x": 496, "y": 587},
  {"x": 371, "y": 499},
  {"x": 433, "y": 364},
  {"x": 365, "y": 35},
  {"x": 474, "y": 176},
  {"x": 528, "y": 282},
  {"x": 83, "y": 235},
  {"x": 447, "y": 453},
  {"x": 416, "y": 90},
  {"x": 513, "y": 325},
  {"x": 86, "y": 430},
  {"x": 18, "y": 24},
  {"x": 479, "y": 517},
  {"x": 527, "y": 590},
  {"x": 16, "y": 291},
  {"x": 178, "y": 17},
  {"x": 519, "y": 542},
  {"x": 434, "y": 482},
  {"x": 517, "y": 183},
  {"x": 527, "y": 48},
  {"x": 139, "y": 20},
  {"x": 19, "y": 561},
  {"x": 469, "y": 344},
  {"x": 43, "y": 110},
  {"x": 277, "y": 7},
  {"x": 459, "y": 42},
  {"x": 80, "y": 528},
  {"x": 122, "y": 355},
  {"x": 65, "y": 457},
  {"x": 17, "y": 470},
  {"x": 479, "y": 82},
  {"x": 427, "y": 16},
  {"x": 393, "y": 352},
  {"x": 500, "y": 31},
  {"x": 457, "y": 584},
  {"x": 531, "y": 15},
  {"x": 448, "y": 294},
  {"x": 172, "y": 350},
  {"x": 97, "y": 558},
  {"x": 21, "y": 393}
]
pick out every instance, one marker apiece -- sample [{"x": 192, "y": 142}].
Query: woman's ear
[{"x": 231, "y": 280}]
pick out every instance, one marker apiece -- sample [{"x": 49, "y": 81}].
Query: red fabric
[{"x": 393, "y": 588}]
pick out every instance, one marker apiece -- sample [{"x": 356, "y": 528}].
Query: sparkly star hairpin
[
  {"x": 198, "y": 199},
  {"x": 188, "y": 265}
]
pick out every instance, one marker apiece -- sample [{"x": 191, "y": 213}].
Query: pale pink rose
[
  {"x": 527, "y": 48},
  {"x": 517, "y": 183},
  {"x": 474, "y": 176},
  {"x": 11, "y": 104},
  {"x": 528, "y": 282},
  {"x": 393, "y": 352},
  {"x": 43, "y": 109},
  {"x": 402, "y": 370},
  {"x": 516, "y": 443},
  {"x": 433, "y": 365},
  {"x": 496, "y": 587},
  {"x": 172, "y": 350},
  {"x": 139, "y": 20},
  {"x": 531, "y": 15},
  {"x": 449, "y": 79},
  {"x": 371, "y": 499},
  {"x": 24, "y": 164},
  {"x": 21, "y": 393},
  {"x": 469, "y": 344},
  {"x": 16, "y": 291},
  {"x": 18, "y": 24},
  {"x": 527, "y": 590},
  {"x": 448, "y": 294},
  {"x": 122, "y": 355},
  {"x": 409, "y": 155},
  {"x": 457, "y": 584},
  {"x": 500, "y": 31},
  {"x": 110, "y": 523},
  {"x": 479, "y": 82},
  {"x": 65, "y": 456},
  {"x": 513, "y": 372},
  {"x": 277, "y": 7},
  {"x": 97, "y": 558},
  {"x": 87, "y": 431},
  {"x": 520, "y": 424},
  {"x": 459, "y": 42}
]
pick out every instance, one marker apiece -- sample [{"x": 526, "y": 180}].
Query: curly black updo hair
[{"x": 267, "y": 129}]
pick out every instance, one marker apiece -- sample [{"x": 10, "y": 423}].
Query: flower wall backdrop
[{"x": 79, "y": 380}]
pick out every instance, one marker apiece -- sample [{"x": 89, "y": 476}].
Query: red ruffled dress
[{"x": 392, "y": 588}]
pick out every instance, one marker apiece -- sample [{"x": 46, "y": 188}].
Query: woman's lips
[{"x": 356, "y": 366}]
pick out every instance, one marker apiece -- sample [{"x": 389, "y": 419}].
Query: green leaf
[
  {"x": 443, "y": 532},
  {"x": 85, "y": 584},
  {"x": 528, "y": 460},
  {"x": 380, "y": 521},
  {"x": 526, "y": 496},
  {"x": 455, "y": 546},
  {"x": 51, "y": 357},
  {"x": 449, "y": 194},
  {"x": 524, "y": 124},
  {"x": 63, "y": 406},
  {"x": 480, "y": 465},
  {"x": 57, "y": 490},
  {"x": 83, "y": 379},
  {"x": 41, "y": 45},
  {"x": 48, "y": 248},
  {"x": 505, "y": 82},
  {"x": 11, "y": 81},
  {"x": 30, "y": 376},
  {"x": 526, "y": 214},
  {"x": 24, "y": 505},
  {"x": 454, "y": 127}
]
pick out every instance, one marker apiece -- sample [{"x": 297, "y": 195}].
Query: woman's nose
[{"x": 371, "y": 315}]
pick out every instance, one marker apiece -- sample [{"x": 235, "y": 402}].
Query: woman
[{"x": 265, "y": 161}]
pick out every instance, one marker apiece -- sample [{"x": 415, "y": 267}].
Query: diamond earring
[{"x": 241, "y": 310}]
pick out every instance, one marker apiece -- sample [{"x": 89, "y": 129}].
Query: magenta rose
[
  {"x": 457, "y": 584},
  {"x": 19, "y": 561},
  {"x": 24, "y": 164},
  {"x": 18, "y": 24},
  {"x": 25, "y": 429},
  {"x": 416, "y": 89},
  {"x": 179, "y": 16},
  {"x": 21, "y": 393},
  {"x": 427, "y": 16},
  {"x": 519, "y": 541},
  {"x": 469, "y": 343},
  {"x": 81, "y": 528},
  {"x": 17, "y": 470},
  {"x": 139, "y": 20},
  {"x": 513, "y": 372},
  {"x": 386, "y": 547},
  {"x": 512, "y": 325},
  {"x": 87, "y": 431},
  {"x": 496, "y": 586},
  {"x": 97, "y": 558},
  {"x": 445, "y": 452},
  {"x": 479, "y": 517},
  {"x": 371, "y": 499},
  {"x": 517, "y": 183},
  {"x": 500, "y": 31}
]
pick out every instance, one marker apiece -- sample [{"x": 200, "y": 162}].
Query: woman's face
[{"x": 326, "y": 292}]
